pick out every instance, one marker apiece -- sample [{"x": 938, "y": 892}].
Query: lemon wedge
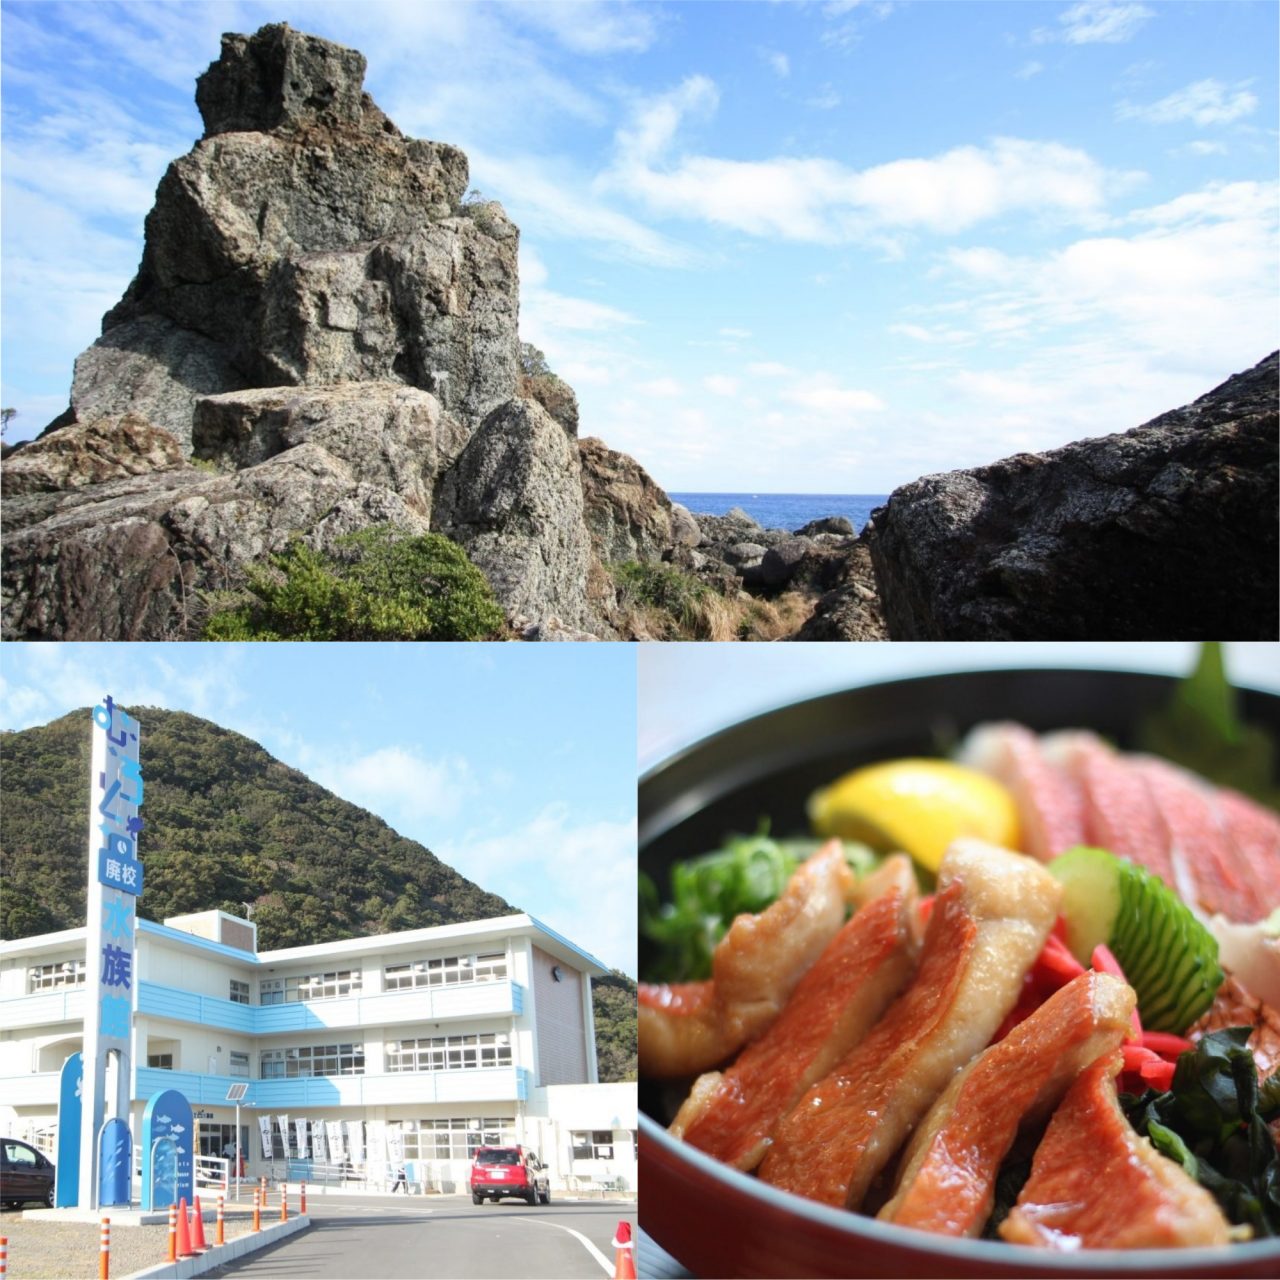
[{"x": 918, "y": 806}]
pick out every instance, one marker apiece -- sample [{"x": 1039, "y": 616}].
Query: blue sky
[
  {"x": 823, "y": 246},
  {"x": 515, "y": 764}
]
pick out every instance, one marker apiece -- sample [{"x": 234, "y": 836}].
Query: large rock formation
[
  {"x": 1168, "y": 531},
  {"x": 322, "y": 335}
]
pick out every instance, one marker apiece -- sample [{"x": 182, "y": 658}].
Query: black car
[{"x": 24, "y": 1174}]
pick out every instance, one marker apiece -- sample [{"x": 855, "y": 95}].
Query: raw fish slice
[
  {"x": 1096, "y": 1185},
  {"x": 1207, "y": 872},
  {"x": 1050, "y": 806},
  {"x": 1254, "y": 833},
  {"x": 732, "y": 1116},
  {"x": 991, "y": 916},
  {"x": 688, "y": 1027},
  {"x": 1119, "y": 813},
  {"x": 949, "y": 1175}
]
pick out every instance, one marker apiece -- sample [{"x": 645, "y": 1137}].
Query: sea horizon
[{"x": 784, "y": 510}]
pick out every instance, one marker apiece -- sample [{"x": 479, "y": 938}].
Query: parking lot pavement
[{"x": 421, "y": 1237}]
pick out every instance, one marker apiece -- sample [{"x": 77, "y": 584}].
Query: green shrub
[
  {"x": 378, "y": 584},
  {"x": 682, "y": 598}
]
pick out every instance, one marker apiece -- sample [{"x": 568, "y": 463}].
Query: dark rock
[
  {"x": 280, "y": 76},
  {"x": 1167, "y": 531},
  {"x": 745, "y": 554},
  {"x": 827, "y": 524},
  {"x": 780, "y": 563},
  {"x": 83, "y": 455},
  {"x": 850, "y": 610}
]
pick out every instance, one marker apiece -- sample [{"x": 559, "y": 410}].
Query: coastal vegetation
[{"x": 376, "y": 584}]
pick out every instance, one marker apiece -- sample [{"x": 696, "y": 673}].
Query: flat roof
[{"x": 472, "y": 931}]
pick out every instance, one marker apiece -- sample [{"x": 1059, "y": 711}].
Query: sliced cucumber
[{"x": 1169, "y": 957}]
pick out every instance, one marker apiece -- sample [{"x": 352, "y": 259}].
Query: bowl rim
[{"x": 943, "y": 1248}]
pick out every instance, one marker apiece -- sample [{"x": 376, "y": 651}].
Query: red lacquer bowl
[{"x": 718, "y": 1222}]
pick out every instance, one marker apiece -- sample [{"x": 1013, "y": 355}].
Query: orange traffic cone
[
  {"x": 197, "y": 1229},
  {"x": 184, "y": 1232},
  {"x": 624, "y": 1267}
]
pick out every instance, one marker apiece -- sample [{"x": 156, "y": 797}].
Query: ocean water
[{"x": 785, "y": 510}]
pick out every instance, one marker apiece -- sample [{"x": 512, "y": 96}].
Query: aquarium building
[{"x": 354, "y": 1056}]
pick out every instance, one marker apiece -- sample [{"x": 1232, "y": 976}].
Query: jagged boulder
[
  {"x": 628, "y": 516},
  {"x": 850, "y": 610},
  {"x": 304, "y": 240},
  {"x": 1167, "y": 531},
  {"x": 514, "y": 501},
  {"x": 555, "y": 395},
  {"x": 390, "y": 435},
  {"x": 125, "y": 445}
]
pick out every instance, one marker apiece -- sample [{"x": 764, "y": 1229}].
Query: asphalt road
[{"x": 363, "y": 1238}]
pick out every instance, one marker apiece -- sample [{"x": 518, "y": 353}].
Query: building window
[
  {"x": 44, "y": 977},
  {"x": 310, "y": 986},
  {"x": 593, "y": 1144},
  {"x": 313, "y": 1060},
  {"x": 239, "y": 992},
  {"x": 164, "y": 1061},
  {"x": 447, "y": 971},
  {"x": 454, "y": 1139},
  {"x": 450, "y": 1053},
  {"x": 239, "y": 1065}
]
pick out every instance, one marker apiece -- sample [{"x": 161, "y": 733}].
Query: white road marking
[{"x": 586, "y": 1244}]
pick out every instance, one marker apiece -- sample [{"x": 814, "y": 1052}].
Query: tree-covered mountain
[{"x": 228, "y": 826}]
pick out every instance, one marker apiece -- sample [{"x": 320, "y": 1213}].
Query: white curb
[{"x": 220, "y": 1254}]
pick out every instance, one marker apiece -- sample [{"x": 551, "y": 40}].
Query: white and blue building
[{"x": 416, "y": 1046}]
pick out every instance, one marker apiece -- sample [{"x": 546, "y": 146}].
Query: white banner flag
[
  {"x": 377, "y": 1143},
  {"x": 264, "y": 1128},
  {"x": 355, "y": 1139},
  {"x": 318, "y": 1143},
  {"x": 300, "y": 1133},
  {"x": 337, "y": 1151},
  {"x": 284, "y": 1135}
]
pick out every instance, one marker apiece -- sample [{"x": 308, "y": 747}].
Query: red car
[{"x": 509, "y": 1171}]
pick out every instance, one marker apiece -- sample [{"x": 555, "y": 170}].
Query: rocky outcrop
[
  {"x": 1167, "y": 531},
  {"x": 629, "y": 517},
  {"x": 130, "y": 559},
  {"x": 850, "y": 610},
  {"x": 325, "y": 326},
  {"x": 514, "y": 501},
  {"x": 108, "y": 449}
]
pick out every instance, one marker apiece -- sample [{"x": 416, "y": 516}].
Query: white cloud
[
  {"x": 1205, "y": 102},
  {"x": 577, "y": 877},
  {"x": 399, "y": 781},
  {"x": 824, "y": 396},
  {"x": 826, "y": 99},
  {"x": 1096, "y": 22},
  {"x": 735, "y": 333},
  {"x": 1201, "y": 147},
  {"x": 1028, "y": 69},
  {"x": 769, "y": 369},
  {"x": 663, "y": 388},
  {"x": 820, "y": 200},
  {"x": 720, "y": 384},
  {"x": 777, "y": 62},
  {"x": 592, "y": 26}
]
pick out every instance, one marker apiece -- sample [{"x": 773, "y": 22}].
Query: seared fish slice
[
  {"x": 949, "y": 1176},
  {"x": 991, "y": 916},
  {"x": 732, "y": 1115},
  {"x": 1096, "y": 1185},
  {"x": 690, "y": 1026}
]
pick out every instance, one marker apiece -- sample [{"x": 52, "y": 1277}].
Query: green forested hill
[{"x": 228, "y": 826}]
